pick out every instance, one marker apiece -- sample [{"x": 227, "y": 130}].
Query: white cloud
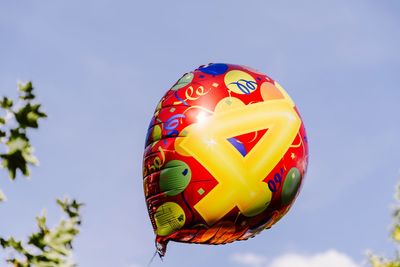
[
  {"x": 249, "y": 259},
  {"x": 330, "y": 258}
]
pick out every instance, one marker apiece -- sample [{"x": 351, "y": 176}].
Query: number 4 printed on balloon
[{"x": 240, "y": 178}]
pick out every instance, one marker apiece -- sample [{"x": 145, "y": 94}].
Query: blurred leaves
[
  {"x": 2, "y": 196},
  {"x": 382, "y": 262},
  {"x": 396, "y": 217},
  {"x": 377, "y": 261},
  {"x": 47, "y": 247},
  {"x": 14, "y": 124}
]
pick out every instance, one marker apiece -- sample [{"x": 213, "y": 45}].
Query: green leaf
[
  {"x": 29, "y": 115},
  {"x": 26, "y": 91},
  {"x": 12, "y": 243},
  {"x": 6, "y": 103},
  {"x": 26, "y": 88},
  {"x": 70, "y": 207},
  {"x": 18, "y": 157}
]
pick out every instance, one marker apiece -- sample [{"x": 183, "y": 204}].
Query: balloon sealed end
[{"x": 161, "y": 247}]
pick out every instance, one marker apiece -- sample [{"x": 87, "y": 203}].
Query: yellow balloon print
[
  {"x": 169, "y": 218},
  {"x": 240, "y": 179},
  {"x": 240, "y": 82}
]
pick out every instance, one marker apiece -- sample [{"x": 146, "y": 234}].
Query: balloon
[{"x": 225, "y": 156}]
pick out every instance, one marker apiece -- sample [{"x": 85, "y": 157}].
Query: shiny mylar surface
[{"x": 226, "y": 153}]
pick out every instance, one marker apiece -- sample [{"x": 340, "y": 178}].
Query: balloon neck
[{"x": 161, "y": 246}]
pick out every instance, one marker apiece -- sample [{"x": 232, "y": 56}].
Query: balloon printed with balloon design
[{"x": 225, "y": 156}]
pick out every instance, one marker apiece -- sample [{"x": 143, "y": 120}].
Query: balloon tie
[{"x": 152, "y": 258}]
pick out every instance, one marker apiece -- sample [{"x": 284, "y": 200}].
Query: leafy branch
[
  {"x": 14, "y": 124},
  {"x": 47, "y": 247}
]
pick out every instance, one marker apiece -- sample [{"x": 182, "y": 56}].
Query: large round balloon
[{"x": 226, "y": 153}]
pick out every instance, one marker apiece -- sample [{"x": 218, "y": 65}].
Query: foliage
[
  {"x": 47, "y": 247},
  {"x": 15, "y": 123},
  {"x": 377, "y": 261}
]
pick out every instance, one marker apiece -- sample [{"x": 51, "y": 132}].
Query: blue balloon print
[
  {"x": 214, "y": 69},
  {"x": 239, "y": 146}
]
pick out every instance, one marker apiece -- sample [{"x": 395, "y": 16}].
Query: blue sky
[{"x": 100, "y": 67}]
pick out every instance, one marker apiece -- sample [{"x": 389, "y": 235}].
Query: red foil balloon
[{"x": 226, "y": 153}]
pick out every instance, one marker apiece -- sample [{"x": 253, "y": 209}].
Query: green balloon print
[
  {"x": 157, "y": 133},
  {"x": 182, "y": 82},
  {"x": 174, "y": 177},
  {"x": 291, "y": 186}
]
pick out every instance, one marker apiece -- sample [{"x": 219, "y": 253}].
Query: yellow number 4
[{"x": 240, "y": 179}]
